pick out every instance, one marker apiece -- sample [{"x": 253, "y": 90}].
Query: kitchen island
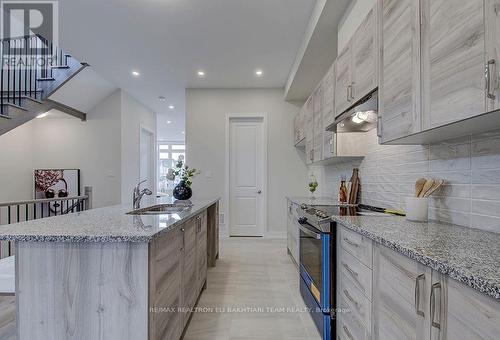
[{"x": 106, "y": 274}]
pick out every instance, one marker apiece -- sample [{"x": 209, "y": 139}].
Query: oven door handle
[{"x": 309, "y": 232}]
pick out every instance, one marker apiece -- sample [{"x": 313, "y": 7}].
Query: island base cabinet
[
  {"x": 82, "y": 290},
  {"x": 165, "y": 286}
]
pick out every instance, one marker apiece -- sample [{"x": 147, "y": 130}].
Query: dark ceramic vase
[{"x": 182, "y": 191}]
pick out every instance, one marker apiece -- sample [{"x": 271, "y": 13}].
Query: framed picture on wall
[{"x": 56, "y": 183}]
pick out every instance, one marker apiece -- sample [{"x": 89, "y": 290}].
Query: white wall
[
  {"x": 134, "y": 115},
  {"x": 16, "y": 170},
  {"x": 206, "y": 110},
  {"x": 92, "y": 146},
  {"x": 105, "y": 148}
]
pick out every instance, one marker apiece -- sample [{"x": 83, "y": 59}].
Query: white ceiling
[{"x": 168, "y": 41}]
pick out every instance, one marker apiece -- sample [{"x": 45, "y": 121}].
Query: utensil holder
[{"x": 417, "y": 209}]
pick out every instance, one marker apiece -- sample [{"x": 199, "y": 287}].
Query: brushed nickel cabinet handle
[
  {"x": 350, "y": 242},
  {"x": 352, "y": 272},
  {"x": 183, "y": 238},
  {"x": 417, "y": 294},
  {"x": 350, "y": 298},
  {"x": 379, "y": 127},
  {"x": 349, "y": 87},
  {"x": 352, "y": 91},
  {"x": 434, "y": 323},
  {"x": 490, "y": 77},
  {"x": 347, "y": 332}
]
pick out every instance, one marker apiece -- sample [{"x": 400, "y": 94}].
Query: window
[{"x": 168, "y": 154}]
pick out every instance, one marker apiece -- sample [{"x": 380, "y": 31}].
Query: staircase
[{"x": 32, "y": 70}]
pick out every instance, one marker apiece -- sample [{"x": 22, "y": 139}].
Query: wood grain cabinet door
[
  {"x": 401, "y": 288},
  {"x": 309, "y": 129},
  {"x": 399, "y": 84},
  {"x": 165, "y": 320},
  {"x": 453, "y": 60},
  {"x": 492, "y": 12},
  {"x": 318, "y": 124},
  {"x": 189, "y": 286},
  {"x": 201, "y": 250},
  {"x": 343, "y": 80},
  {"x": 364, "y": 57}
]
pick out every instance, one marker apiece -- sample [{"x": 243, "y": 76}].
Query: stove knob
[{"x": 302, "y": 220}]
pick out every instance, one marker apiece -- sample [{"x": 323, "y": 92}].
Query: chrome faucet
[{"x": 137, "y": 195}]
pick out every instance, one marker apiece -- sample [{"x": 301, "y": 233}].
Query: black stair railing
[{"x": 25, "y": 61}]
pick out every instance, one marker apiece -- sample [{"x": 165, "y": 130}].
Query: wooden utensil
[
  {"x": 354, "y": 189},
  {"x": 419, "y": 185},
  {"x": 437, "y": 184},
  {"x": 427, "y": 186}
]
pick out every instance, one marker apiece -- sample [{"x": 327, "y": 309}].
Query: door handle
[
  {"x": 490, "y": 77},
  {"x": 417, "y": 294},
  {"x": 436, "y": 324}
]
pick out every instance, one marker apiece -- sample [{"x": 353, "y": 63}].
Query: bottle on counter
[{"x": 342, "y": 191}]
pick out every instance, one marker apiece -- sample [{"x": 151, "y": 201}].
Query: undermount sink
[{"x": 160, "y": 209}]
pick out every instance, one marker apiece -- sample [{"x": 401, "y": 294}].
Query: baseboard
[{"x": 275, "y": 234}]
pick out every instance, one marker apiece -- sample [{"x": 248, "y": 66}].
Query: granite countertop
[
  {"x": 314, "y": 201},
  {"x": 471, "y": 256},
  {"x": 110, "y": 224}
]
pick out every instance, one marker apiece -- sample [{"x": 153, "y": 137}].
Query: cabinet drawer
[
  {"x": 357, "y": 245},
  {"x": 360, "y": 275},
  {"x": 352, "y": 298},
  {"x": 350, "y": 328}
]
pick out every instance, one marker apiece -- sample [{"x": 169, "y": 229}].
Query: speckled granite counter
[
  {"x": 315, "y": 201},
  {"x": 470, "y": 256},
  {"x": 110, "y": 224}
]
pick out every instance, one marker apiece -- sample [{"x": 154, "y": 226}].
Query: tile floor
[{"x": 255, "y": 278}]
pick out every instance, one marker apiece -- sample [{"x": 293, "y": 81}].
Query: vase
[{"x": 182, "y": 191}]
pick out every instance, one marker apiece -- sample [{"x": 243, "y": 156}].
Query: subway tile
[
  {"x": 484, "y": 207},
  {"x": 484, "y": 222},
  {"x": 450, "y": 203},
  {"x": 485, "y": 176},
  {"x": 449, "y": 216},
  {"x": 485, "y": 192}
]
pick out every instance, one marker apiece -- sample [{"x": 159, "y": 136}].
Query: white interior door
[
  {"x": 147, "y": 156},
  {"x": 246, "y": 176}
]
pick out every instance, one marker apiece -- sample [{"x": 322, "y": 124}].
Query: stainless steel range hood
[{"x": 362, "y": 117}]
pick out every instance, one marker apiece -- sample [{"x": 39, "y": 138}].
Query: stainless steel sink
[{"x": 159, "y": 209}]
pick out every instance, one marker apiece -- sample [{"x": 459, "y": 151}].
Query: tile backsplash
[{"x": 469, "y": 165}]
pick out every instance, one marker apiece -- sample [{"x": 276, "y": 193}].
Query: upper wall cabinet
[
  {"x": 492, "y": 12},
  {"x": 399, "y": 86},
  {"x": 364, "y": 57},
  {"x": 299, "y": 133},
  {"x": 356, "y": 65},
  {"x": 438, "y": 69},
  {"x": 453, "y": 60},
  {"x": 309, "y": 129}
]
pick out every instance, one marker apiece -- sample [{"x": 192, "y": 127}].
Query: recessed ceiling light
[
  {"x": 171, "y": 107},
  {"x": 169, "y": 122},
  {"x": 183, "y": 132},
  {"x": 162, "y": 99},
  {"x": 42, "y": 115},
  {"x": 259, "y": 73},
  {"x": 201, "y": 73},
  {"x": 136, "y": 74}
]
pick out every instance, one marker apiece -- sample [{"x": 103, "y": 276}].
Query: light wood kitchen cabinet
[
  {"x": 309, "y": 129},
  {"x": 292, "y": 231},
  {"x": 201, "y": 250},
  {"x": 399, "y": 83},
  {"x": 492, "y": 13},
  {"x": 400, "y": 305},
  {"x": 453, "y": 61},
  {"x": 189, "y": 288},
  {"x": 343, "y": 80},
  {"x": 328, "y": 112},
  {"x": 165, "y": 274},
  {"x": 318, "y": 124},
  {"x": 213, "y": 234},
  {"x": 364, "y": 57},
  {"x": 298, "y": 130}
]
